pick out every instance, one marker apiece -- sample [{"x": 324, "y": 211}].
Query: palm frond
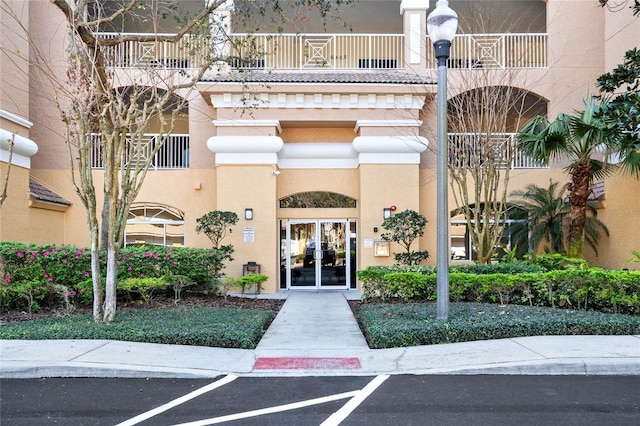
[{"x": 594, "y": 229}]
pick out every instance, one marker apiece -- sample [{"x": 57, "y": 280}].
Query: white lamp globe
[{"x": 442, "y": 23}]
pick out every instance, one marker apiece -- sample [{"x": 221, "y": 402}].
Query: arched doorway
[{"x": 318, "y": 253}]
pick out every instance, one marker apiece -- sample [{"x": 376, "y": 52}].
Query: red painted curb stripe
[{"x": 265, "y": 363}]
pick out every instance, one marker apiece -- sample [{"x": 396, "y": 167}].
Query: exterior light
[
  {"x": 442, "y": 24},
  {"x": 386, "y": 213},
  {"x": 248, "y": 214}
]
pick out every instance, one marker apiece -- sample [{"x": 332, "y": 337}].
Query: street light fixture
[{"x": 442, "y": 24}]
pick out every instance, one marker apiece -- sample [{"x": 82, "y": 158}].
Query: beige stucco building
[{"x": 327, "y": 140}]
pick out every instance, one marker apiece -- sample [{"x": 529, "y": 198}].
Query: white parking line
[
  {"x": 337, "y": 417},
  {"x": 271, "y": 410},
  {"x": 161, "y": 409}
]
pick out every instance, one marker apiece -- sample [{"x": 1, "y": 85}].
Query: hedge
[{"x": 614, "y": 291}]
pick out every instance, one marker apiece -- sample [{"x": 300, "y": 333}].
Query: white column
[{"x": 414, "y": 17}]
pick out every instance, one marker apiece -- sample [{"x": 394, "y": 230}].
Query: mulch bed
[{"x": 13, "y": 315}]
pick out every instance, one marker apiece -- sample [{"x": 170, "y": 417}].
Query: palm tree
[
  {"x": 547, "y": 212},
  {"x": 578, "y": 137},
  {"x": 546, "y": 215}
]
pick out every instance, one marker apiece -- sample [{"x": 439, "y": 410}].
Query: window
[
  {"x": 154, "y": 224},
  {"x": 317, "y": 200},
  {"x": 462, "y": 247}
]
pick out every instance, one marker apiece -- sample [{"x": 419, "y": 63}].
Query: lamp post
[{"x": 442, "y": 24}]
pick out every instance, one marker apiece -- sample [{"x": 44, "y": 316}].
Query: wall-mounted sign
[
  {"x": 381, "y": 248},
  {"x": 249, "y": 234}
]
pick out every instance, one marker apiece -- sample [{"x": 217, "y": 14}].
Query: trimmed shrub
[
  {"x": 145, "y": 287},
  {"x": 588, "y": 289}
]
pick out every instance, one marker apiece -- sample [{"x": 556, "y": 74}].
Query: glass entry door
[{"x": 315, "y": 254}]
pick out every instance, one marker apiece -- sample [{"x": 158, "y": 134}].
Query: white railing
[
  {"x": 318, "y": 51},
  {"x": 328, "y": 51},
  {"x": 470, "y": 150},
  {"x": 473, "y": 51},
  {"x": 174, "y": 153},
  {"x": 189, "y": 52}
]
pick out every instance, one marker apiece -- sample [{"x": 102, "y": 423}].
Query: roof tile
[
  {"x": 343, "y": 77},
  {"x": 39, "y": 192}
]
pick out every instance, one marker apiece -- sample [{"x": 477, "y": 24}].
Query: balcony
[
  {"x": 174, "y": 153},
  {"x": 495, "y": 51},
  {"x": 472, "y": 150},
  {"x": 331, "y": 52},
  {"x": 187, "y": 53},
  {"x": 319, "y": 51}
]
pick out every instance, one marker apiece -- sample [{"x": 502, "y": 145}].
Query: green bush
[
  {"x": 497, "y": 268},
  {"x": 588, "y": 289},
  {"x": 145, "y": 287},
  {"x": 178, "y": 283},
  {"x": 250, "y": 280},
  {"x": 375, "y": 285},
  {"x": 412, "y": 324},
  {"x": 411, "y": 285},
  {"x": 555, "y": 261}
]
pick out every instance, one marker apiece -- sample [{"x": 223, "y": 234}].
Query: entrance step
[{"x": 314, "y": 321}]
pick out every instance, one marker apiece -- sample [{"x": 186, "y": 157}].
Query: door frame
[{"x": 286, "y": 261}]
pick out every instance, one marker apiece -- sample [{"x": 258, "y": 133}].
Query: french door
[{"x": 317, "y": 254}]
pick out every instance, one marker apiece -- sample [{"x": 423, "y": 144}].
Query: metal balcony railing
[
  {"x": 174, "y": 153},
  {"x": 189, "y": 52},
  {"x": 471, "y": 150},
  {"x": 328, "y": 51},
  {"x": 495, "y": 51},
  {"x": 318, "y": 51}
]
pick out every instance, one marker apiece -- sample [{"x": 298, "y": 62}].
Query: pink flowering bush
[{"x": 29, "y": 272}]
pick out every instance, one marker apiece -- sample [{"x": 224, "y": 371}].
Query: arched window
[
  {"x": 154, "y": 224},
  {"x": 317, "y": 200}
]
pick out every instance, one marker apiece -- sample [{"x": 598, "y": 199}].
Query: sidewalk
[{"x": 315, "y": 334}]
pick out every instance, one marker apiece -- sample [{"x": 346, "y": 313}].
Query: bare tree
[
  {"x": 5, "y": 178},
  {"x": 107, "y": 111},
  {"x": 489, "y": 108}
]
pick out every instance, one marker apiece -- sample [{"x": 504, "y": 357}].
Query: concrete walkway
[
  {"x": 313, "y": 321},
  {"x": 316, "y": 334}
]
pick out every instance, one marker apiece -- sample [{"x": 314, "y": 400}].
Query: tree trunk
[
  {"x": 579, "y": 195},
  {"x": 104, "y": 229},
  {"x": 98, "y": 294},
  {"x": 110, "y": 290}
]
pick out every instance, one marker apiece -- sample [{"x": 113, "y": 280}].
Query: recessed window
[{"x": 317, "y": 200}]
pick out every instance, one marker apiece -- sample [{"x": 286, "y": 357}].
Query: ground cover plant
[
  {"x": 389, "y": 325},
  {"x": 192, "y": 325}
]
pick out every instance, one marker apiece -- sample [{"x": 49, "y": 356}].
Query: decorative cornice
[
  {"x": 387, "y": 123},
  {"x": 15, "y": 118},
  {"x": 318, "y": 100},
  {"x": 23, "y": 149},
  {"x": 390, "y": 150},
  {"x": 245, "y": 149},
  {"x": 248, "y": 123},
  {"x": 242, "y": 150}
]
